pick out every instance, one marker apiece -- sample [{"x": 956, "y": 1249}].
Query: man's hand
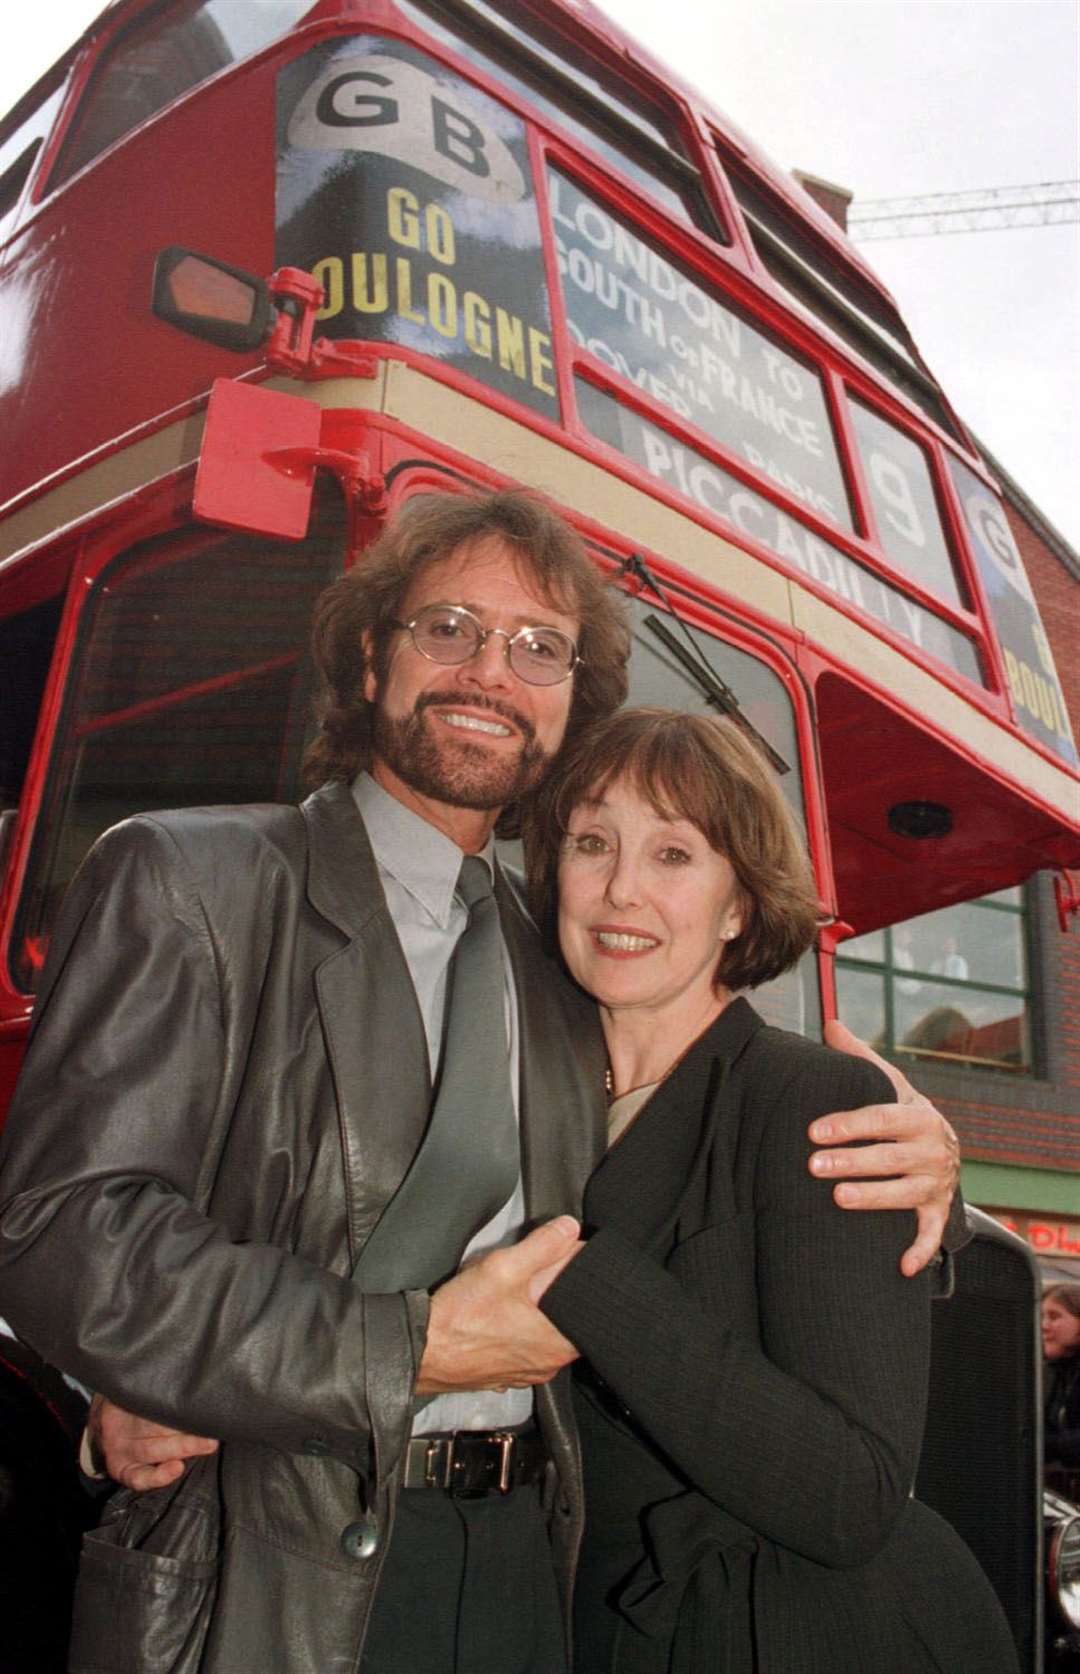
[
  {"x": 917, "y": 1148},
  {"x": 485, "y": 1330},
  {"x": 135, "y": 1451}
]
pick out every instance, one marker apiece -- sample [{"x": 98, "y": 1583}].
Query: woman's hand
[
  {"x": 135, "y": 1451},
  {"x": 908, "y": 1147}
]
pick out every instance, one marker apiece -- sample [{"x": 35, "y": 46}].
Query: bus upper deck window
[
  {"x": 161, "y": 56},
  {"x": 905, "y": 506},
  {"x": 19, "y": 150},
  {"x": 814, "y": 276},
  {"x": 639, "y": 139}
]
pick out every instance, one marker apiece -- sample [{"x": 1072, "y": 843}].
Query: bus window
[
  {"x": 731, "y": 502},
  {"x": 952, "y": 984},
  {"x": 634, "y": 136},
  {"x": 26, "y": 646},
  {"x": 675, "y": 338},
  {"x": 189, "y": 686},
  {"x": 161, "y": 56},
  {"x": 793, "y": 1001},
  {"x": 18, "y": 153},
  {"x": 813, "y": 275},
  {"x": 902, "y": 495},
  {"x": 1029, "y": 662},
  {"x": 415, "y": 210},
  {"x": 529, "y": 34}
]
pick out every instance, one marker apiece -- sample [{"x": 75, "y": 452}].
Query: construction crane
[{"x": 1049, "y": 203}]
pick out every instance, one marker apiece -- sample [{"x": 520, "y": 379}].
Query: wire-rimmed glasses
[{"x": 450, "y": 634}]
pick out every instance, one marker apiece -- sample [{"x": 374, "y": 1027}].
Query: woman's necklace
[
  {"x": 609, "y": 1076},
  {"x": 624, "y": 1110},
  {"x": 673, "y": 1063}
]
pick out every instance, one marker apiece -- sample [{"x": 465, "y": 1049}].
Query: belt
[{"x": 473, "y": 1463}]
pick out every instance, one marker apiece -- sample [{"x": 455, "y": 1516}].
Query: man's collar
[{"x": 417, "y": 855}]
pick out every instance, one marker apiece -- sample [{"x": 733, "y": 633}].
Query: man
[{"x": 236, "y": 1072}]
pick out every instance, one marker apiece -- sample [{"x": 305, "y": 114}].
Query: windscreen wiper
[{"x": 716, "y": 692}]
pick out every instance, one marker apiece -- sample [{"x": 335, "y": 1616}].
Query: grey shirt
[{"x": 418, "y": 869}]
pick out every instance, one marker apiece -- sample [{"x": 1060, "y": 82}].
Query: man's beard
[{"x": 452, "y": 768}]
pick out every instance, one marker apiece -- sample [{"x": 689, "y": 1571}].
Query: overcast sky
[{"x": 890, "y": 98}]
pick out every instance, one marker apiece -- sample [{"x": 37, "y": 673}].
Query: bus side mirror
[{"x": 211, "y": 299}]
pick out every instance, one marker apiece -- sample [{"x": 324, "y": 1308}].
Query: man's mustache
[{"x": 479, "y": 700}]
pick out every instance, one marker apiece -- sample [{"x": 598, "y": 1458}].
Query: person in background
[
  {"x": 1060, "y": 1319},
  {"x": 952, "y": 962}
]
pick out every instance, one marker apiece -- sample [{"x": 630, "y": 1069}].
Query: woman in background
[{"x": 1061, "y": 1385}]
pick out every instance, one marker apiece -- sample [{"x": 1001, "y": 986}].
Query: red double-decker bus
[{"x": 269, "y": 267}]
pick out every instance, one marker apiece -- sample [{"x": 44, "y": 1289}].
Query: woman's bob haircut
[{"x": 704, "y": 770}]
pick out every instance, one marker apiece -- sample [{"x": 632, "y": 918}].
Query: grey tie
[{"x": 469, "y": 1160}]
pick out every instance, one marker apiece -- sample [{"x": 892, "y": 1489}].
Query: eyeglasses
[{"x": 451, "y": 634}]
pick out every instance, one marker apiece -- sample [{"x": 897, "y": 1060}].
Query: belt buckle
[
  {"x": 506, "y": 1451},
  {"x": 438, "y": 1452},
  {"x": 477, "y": 1466}
]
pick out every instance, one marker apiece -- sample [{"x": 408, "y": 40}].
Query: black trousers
[{"x": 467, "y": 1588}]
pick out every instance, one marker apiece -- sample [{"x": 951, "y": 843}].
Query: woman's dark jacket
[
  {"x": 1061, "y": 1413},
  {"x": 772, "y": 1352}
]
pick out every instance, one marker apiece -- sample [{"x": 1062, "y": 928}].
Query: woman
[
  {"x": 752, "y": 1410},
  {"x": 1061, "y": 1416}
]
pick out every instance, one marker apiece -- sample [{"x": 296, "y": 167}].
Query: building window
[{"x": 952, "y": 985}]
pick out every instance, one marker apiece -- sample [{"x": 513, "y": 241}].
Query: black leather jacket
[{"x": 225, "y": 1083}]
